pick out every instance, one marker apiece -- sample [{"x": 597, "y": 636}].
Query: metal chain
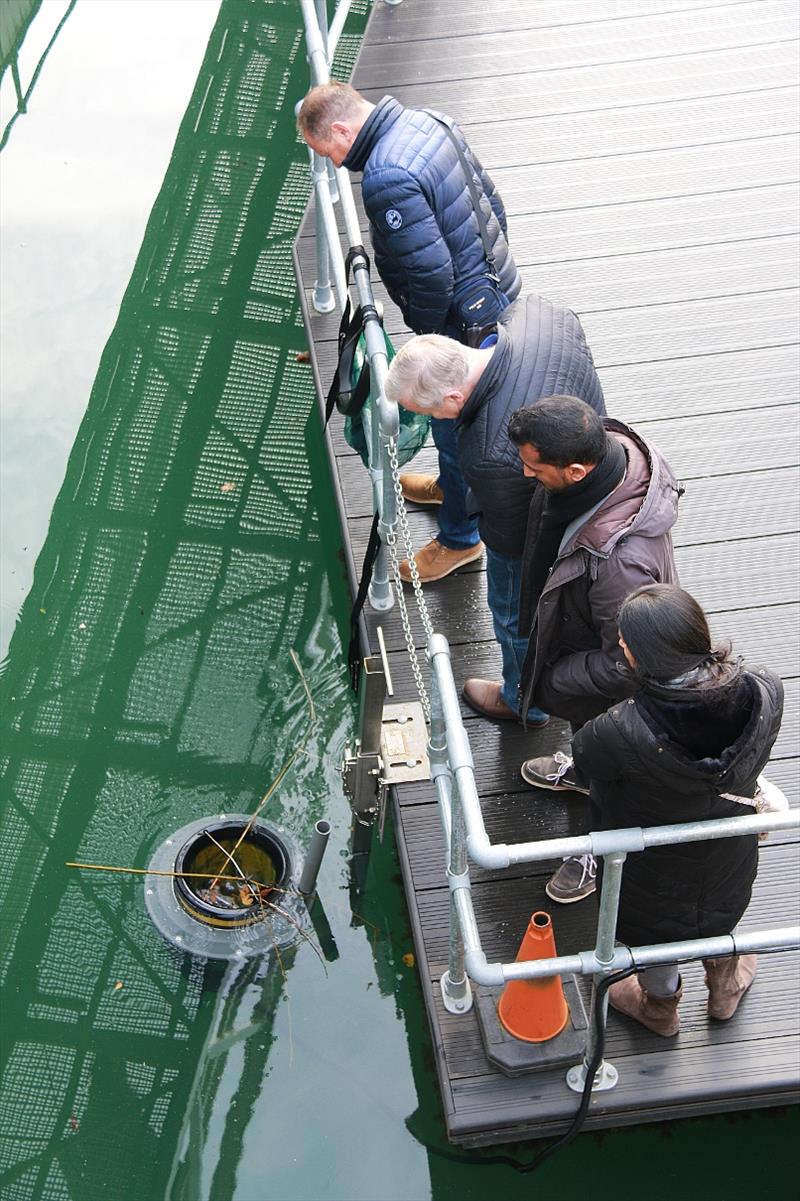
[{"x": 391, "y": 542}]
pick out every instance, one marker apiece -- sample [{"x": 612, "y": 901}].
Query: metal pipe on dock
[{"x": 316, "y": 849}]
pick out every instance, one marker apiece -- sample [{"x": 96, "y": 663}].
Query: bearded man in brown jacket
[{"x": 599, "y": 527}]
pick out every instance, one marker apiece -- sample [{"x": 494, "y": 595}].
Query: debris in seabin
[{"x": 222, "y": 894}]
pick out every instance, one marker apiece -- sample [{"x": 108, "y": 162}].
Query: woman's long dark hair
[{"x": 667, "y": 633}]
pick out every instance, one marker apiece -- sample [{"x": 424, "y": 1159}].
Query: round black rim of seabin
[{"x": 224, "y": 830}]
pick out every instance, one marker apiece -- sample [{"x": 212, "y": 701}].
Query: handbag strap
[
  {"x": 447, "y": 126},
  {"x": 354, "y": 648},
  {"x": 342, "y": 394},
  {"x": 751, "y": 801}
]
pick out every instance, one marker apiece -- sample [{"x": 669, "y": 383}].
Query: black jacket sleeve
[{"x": 597, "y": 749}]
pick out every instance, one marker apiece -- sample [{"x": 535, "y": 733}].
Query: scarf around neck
[{"x": 562, "y": 508}]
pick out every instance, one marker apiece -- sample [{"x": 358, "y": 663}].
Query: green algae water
[{"x": 179, "y": 515}]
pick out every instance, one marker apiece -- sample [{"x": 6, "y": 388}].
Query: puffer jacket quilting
[
  {"x": 425, "y": 235},
  {"x": 541, "y": 351}
]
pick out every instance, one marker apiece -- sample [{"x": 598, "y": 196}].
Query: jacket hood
[
  {"x": 645, "y": 503},
  {"x": 731, "y": 768},
  {"x": 382, "y": 117}
]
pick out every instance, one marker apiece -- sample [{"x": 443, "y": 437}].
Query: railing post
[
  {"x": 322, "y": 297},
  {"x": 329, "y": 46},
  {"x": 455, "y": 986},
  {"x": 607, "y": 1074}
]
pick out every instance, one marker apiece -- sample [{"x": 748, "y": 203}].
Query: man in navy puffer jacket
[
  {"x": 430, "y": 256},
  {"x": 539, "y": 350}
]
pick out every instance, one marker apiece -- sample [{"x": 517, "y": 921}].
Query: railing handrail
[
  {"x": 373, "y": 330},
  {"x": 320, "y": 47},
  {"x": 602, "y": 842}
]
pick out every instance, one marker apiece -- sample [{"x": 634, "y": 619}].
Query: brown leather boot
[
  {"x": 659, "y": 1014},
  {"x": 421, "y": 489},
  {"x": 483, "y": 696},
  {"x": 435, "y": 561},
  {"x": 727, "y": 980}
]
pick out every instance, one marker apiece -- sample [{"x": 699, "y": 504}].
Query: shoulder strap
[
  {"x": 349, "y": 399},
  {"x": 447, "y": 126}
]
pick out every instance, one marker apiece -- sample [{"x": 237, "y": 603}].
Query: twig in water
[
  {"x": 220, "y": 847},
  {"x": 375, "y": 931},
  {"x": 287, "y": 765},
  {"x": 153, "y": 871},
  {"x": 293, "y": 922}
]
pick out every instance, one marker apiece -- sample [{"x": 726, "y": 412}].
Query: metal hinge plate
[{"x": 404, "y": 743}]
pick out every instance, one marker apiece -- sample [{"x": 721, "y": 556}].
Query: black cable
[{"x": 591, "y": 1072}]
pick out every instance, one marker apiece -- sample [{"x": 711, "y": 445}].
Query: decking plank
[
  {"x": 474, "y": 16},
  {"x": 649, "y": 36},
  {"x": 749, "y": 573},
  {"x": 685, "y": 329},
  {"x": 722, "y": 501},
  {"x": 548, "y": 90}
]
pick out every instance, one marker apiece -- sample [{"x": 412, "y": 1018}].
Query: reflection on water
[
  {"x": 148, "y": 680},
  {"x": 78, "y": 180}
]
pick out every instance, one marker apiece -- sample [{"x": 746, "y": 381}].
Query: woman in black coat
[{"x": 695, "y": 736}]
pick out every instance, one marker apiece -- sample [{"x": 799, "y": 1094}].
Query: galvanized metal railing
[
  {"x": 452, "y": 767},
  {"x": 328, "y": 185},
  {"x": 465, "y": 834}
]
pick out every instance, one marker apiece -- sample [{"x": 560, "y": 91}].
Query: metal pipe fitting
[
  {"x": 490, "y": 975},
  {"x": 456, "y": 880},
  {"x": 494, "y": 857},
  {"x": 316, "y": 849}
]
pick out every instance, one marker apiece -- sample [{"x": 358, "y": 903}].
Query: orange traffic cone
[{"x": 535, "y": 1010}]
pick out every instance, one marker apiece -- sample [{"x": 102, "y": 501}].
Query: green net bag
[{"x": 414, "y": 427}]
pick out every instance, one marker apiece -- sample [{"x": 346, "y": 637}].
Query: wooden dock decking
[{"x": 647, "y": 154}]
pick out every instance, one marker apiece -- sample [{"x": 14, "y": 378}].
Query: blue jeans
[
  {"x": 456, "y": 529},
  {"x": 503, "y": 579}
]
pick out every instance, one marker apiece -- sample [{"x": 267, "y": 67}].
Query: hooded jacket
[
  {"x": 425, "y": 235},
  {"x": 666, "y": 756},
  {"x": 574, "y": 667},
  {"x": 541, "y": 351}
]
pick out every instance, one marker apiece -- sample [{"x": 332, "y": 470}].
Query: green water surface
[{"x": 170, "y": 534}]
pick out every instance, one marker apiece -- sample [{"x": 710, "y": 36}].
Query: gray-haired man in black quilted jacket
[
  {"x": 539, "y": 350},
  {"x": 430, "y": 254}
]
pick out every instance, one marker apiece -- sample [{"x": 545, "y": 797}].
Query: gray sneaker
[
  {"x": 573, "y": 881},
  {"x": 556, "y": 772}
]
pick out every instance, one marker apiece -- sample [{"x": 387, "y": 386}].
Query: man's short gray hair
[
  {"x": 425, "y": 369},
  {"x": 326, "y": 103}
]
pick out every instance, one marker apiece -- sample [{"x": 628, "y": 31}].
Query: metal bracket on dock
[{"x": 391, "y": 747}]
